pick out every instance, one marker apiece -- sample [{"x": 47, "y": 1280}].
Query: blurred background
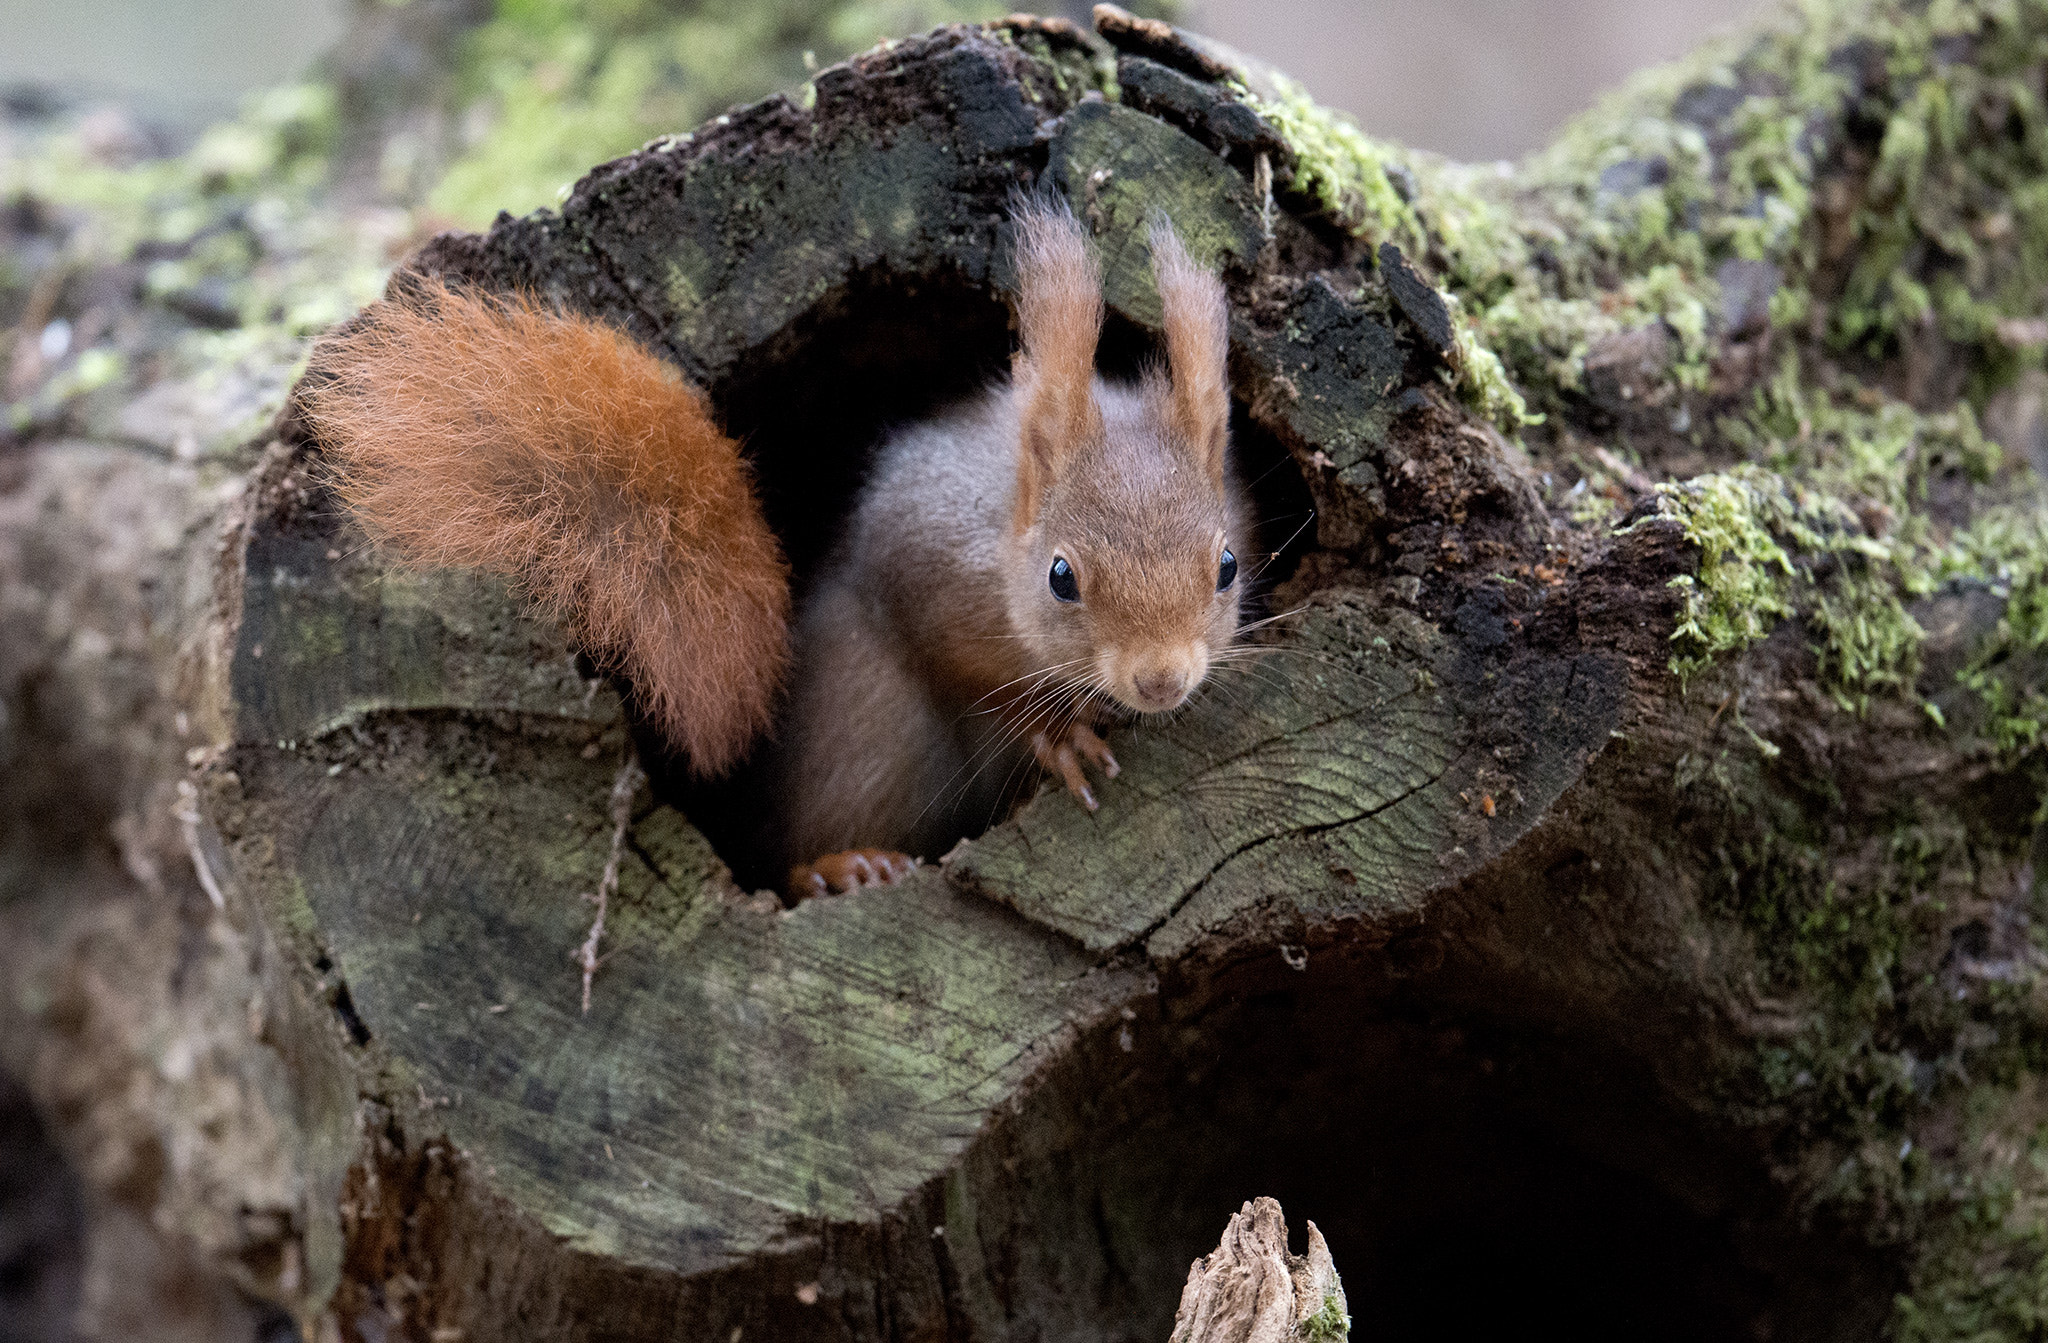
[
  {"x": 1474, "y": 79},
  {"x": 189, "y": 189}
]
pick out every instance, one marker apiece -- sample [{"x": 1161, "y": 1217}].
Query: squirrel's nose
[{"x": 1161, "y": 687}]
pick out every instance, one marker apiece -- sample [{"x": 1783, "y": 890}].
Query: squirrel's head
[{"x": 1128, "y": 524}]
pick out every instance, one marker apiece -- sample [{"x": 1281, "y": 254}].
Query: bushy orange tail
[{"x": 492, "y": 433}]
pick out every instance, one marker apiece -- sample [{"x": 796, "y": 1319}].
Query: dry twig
[{"x": 623, "y": 790}]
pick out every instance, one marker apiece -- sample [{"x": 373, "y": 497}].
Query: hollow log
[{"x": 1414, "y": 926}]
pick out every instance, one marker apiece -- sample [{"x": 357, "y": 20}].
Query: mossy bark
[{"x": 1426, "y": 901}]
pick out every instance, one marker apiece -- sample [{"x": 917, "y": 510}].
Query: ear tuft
[
  {"x": 1197, "y": 322},
  {"x": 1059, "y": 306}
]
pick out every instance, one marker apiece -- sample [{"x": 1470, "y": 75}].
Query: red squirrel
[{"x": 1016, "y": 571}]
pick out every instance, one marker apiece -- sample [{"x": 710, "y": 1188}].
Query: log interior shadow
[{"x": 1478, "y": 1172}]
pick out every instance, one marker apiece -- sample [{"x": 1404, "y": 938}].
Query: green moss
[
  {"x": 2007, "y": 549},
  {"x": 1480, "y": 378},
  {"x": 1844, "y": 937},
  {"x": 1828, "y": 521},
  {"x": 1984, "y": 1274},
  {"x": 1073, "y": 71},
  {"x": 1951, "y": 226},
  {"x": 1745, "y": 576},
  {"x": 1626, "y": 218},
  {"x": 1870, "y": 643},
  {"x": 1542, "y": 263},
  {"x": 1339, "y": 166},
  {"x": 1366, "y": 185},
  {"x": 1329, "y": 1324},
  {"x": 1905, "y": 1092},
  {"x": 1896, "y": 186},
  {"x": 1943, "y": 204}
]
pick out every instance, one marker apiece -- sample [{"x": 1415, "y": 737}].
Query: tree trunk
[{"x": 1419, "y": 926}]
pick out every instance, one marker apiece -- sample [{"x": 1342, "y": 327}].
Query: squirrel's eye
[
  {"x": 1064, "y": 585},
  {"x": 1226, "y": 572}
]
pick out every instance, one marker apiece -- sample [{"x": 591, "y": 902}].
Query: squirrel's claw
[
  {"x": 1060, "y": 759},
  {"x": 1094, "y": 748},
  {"x": 848, "y": 870},
  {"x": 1063, "y": 758}
]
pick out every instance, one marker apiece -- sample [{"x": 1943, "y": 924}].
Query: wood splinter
[
  {"x": 1251, "y": 1290},
  {"x": 623, "y": 790}
]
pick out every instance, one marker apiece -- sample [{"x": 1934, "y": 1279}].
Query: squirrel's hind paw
[
  {"x": 848, "y": 870},
  {"x": 1062, "y": 757}
]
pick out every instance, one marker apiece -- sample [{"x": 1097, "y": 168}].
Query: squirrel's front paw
[
  {"x": 1063, "y": 755},
  {"x": 847, "y": 870}
]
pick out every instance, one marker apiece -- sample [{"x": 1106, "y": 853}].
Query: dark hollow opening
[
  {"x": 42, "y": 1227},
  {"x": 1475, "y": 1177},
  {"x": 814, "y": 406}
]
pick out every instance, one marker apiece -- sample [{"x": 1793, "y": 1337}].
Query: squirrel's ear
[
  {"x": 1059, "y": 306},
  {"x": 1197, "y": 321}
]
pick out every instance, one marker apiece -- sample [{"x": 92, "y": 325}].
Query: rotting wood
[{"x": 1251, "y": 1290}]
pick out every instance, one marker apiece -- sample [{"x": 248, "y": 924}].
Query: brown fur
[
  {"x": 1197, "y": 322},
  {"x": 1059, "y": 308},
  {"x": 493, "y": 433}
]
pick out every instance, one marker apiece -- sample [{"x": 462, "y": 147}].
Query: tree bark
[{"x": 1400, "y": 927}]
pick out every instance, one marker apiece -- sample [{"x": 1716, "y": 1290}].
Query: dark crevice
[
  {"x": 345, "y": 1008},
  {"x": 1113, "y": 1274},
  {"x": 1293, "y": 832},
  {"x": 1478, "y": 1173},
  {"x": 42, "y": 1227},
  {"x": 647, "y": 860}
]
